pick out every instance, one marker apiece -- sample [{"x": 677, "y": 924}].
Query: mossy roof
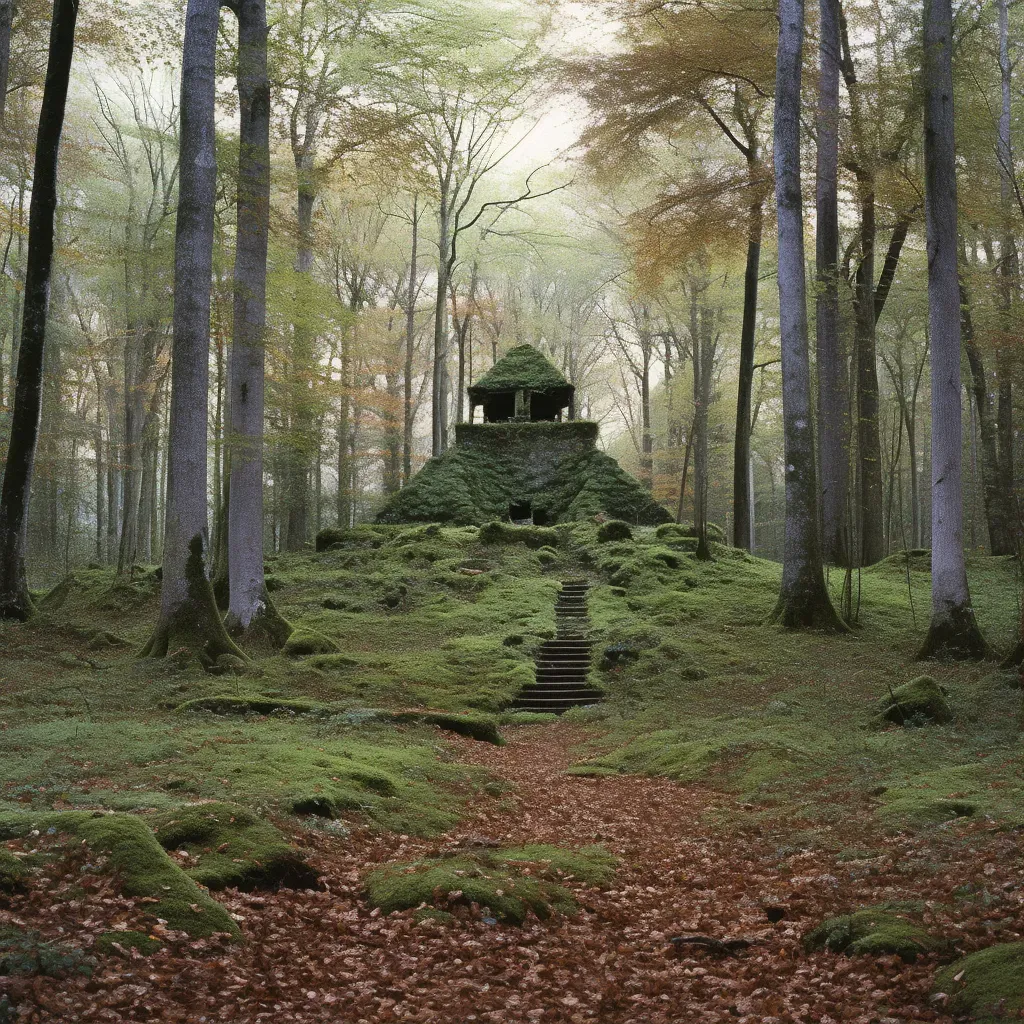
[{"x": 522, "y": 367}]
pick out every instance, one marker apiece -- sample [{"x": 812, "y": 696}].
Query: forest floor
[
  {"x": 739, "y": 776},
  {"x": 327, "y": 956}
]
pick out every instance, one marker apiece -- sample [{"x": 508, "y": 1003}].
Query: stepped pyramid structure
[{"x": 524, "y": 462}]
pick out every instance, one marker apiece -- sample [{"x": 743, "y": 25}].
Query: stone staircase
[{"x": 563, "y": 663}]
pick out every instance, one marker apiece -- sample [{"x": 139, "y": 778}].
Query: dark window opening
[
  {"x": 499, "y": 407},
  {"x": 520, "y": 510}
]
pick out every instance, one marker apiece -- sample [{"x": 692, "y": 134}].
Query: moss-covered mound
[
  {"x": 506, "y": 533},
  {"x": 987, "y": 985},
  {"x": 477, "y": 727},
  {"x": 257, "y": 704},
  {"x": 554, "y": 468},
  {"x": 920, "y": 702},
  {"x": 875, "y": 931},
  {"x": 509, "y": 884},
  {"x": 128, "y": 848},
  {"x": 614, "y": 529},
  {"x": 233, "y": 847},
  {"x": 309, "y": 641}
]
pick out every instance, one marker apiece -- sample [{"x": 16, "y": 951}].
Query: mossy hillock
[
  {"x": 125, "y": 846},
  {"x": 509, "y": 884},
  {"x": 554, "y": 468},
  {"x": 229, "y": 846},
  {"x": 920, "y": 702},
  {"x": 873, "y": 931},
  {"x": 13, "y": 873},
  {"x": 987, "y": 985}
]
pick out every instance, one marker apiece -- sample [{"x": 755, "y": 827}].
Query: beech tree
[
  {"x": 15, "y": 601},
  {"x": 953, "y": 631},
  {"x": 803, "y": 600},
  {"x": 188, "y": 611},
  {"x": 249, "y": 606}
]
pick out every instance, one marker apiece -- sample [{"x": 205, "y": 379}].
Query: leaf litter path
[{"x": 327, "y": 957}]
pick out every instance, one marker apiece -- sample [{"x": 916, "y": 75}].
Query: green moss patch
[
  {"x": 920, "y": 702},
  {"x": 309, "y": 641},
  {"x": 24, "y": 952},
  {"x": 118, "y": 943},
  {"x": 987, "y": 985},
  {"x": 510, "y": 884},
  {"x": 872, "y": 932},
  {"x": 477, "y": 727},
  {"x": 229, "y": 704},
  {"x": 13, "y": 873},
  {"x": 613, "y": 530},
  {"x": 128, "y": 848},
  {"x": 233, "y": 847}
]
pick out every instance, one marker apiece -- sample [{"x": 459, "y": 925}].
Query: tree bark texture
[
  {"x": 249, "y": 605},
  {"x": 803, "y": 599},
  {"x": 15, "y": 601},
  {"x": 953, "y": 631},
  {"x": 188, "y": 611},
  {"x": 833, "y": 384}
]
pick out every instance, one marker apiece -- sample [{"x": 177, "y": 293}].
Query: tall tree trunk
[
  {"x": 188, "y": 611},
  {"x": 410, "y": 349},
  {"x": 803, "y": 599},
  {"x": 998, "y": 515},
  {"x": 301, "y": 440},
  {"x": 833, "y": 386},
  {"x": 250, "y": 607},
  {"x": 6, "y": 23},
  {"x": 15, "y": 601},
  {"x": 953, "y": 631},
  {"x": 869, "y": 446},
  {"x": 439, "y": 416},
  {"x": 742, "y": 497}
]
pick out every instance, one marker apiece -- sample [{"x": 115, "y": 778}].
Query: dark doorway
[
  {"x": 540, "y": 517},
  {"x": 520, "y": 510}
]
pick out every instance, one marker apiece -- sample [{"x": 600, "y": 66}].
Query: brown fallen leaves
[{"x": 327, "y": 957}]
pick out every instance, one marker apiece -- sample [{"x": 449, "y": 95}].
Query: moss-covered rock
[
  {"x": 128, "y": 848},
  {"x": 874, "y": 931},
  {"x": 920, "y": 702},
  {"x": 233, "y": 847},
  {"x": 614, "y": 529},
  {"x": 496, "y": 880},
  {"x": 987, "y": 985},
  {"x": 671, "y": 532},
  {"x": 309, "y": 641}
]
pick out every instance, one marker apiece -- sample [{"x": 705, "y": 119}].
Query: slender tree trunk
[
  {"x": 953, "y": 631},
  {"x": 742, "y": 496},
  {"x": 439, "y": 423},
  {"x": 998, "y": 515},
  {"x": 410, "y": 349},
  {"x": 833, "y": 386},
  {"x": 250, "y": 607},
  {"x": 6, "y": 22},
  {"x": 15, "y": 601},
  {"x": 803, "y": 599},
  {"x": 869, "y": 446},
  {"x": 188, "y": 611},
  {"x": 301, "y": 440}
]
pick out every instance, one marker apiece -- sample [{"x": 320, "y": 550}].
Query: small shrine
[{"x": 530, "y": 460}]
